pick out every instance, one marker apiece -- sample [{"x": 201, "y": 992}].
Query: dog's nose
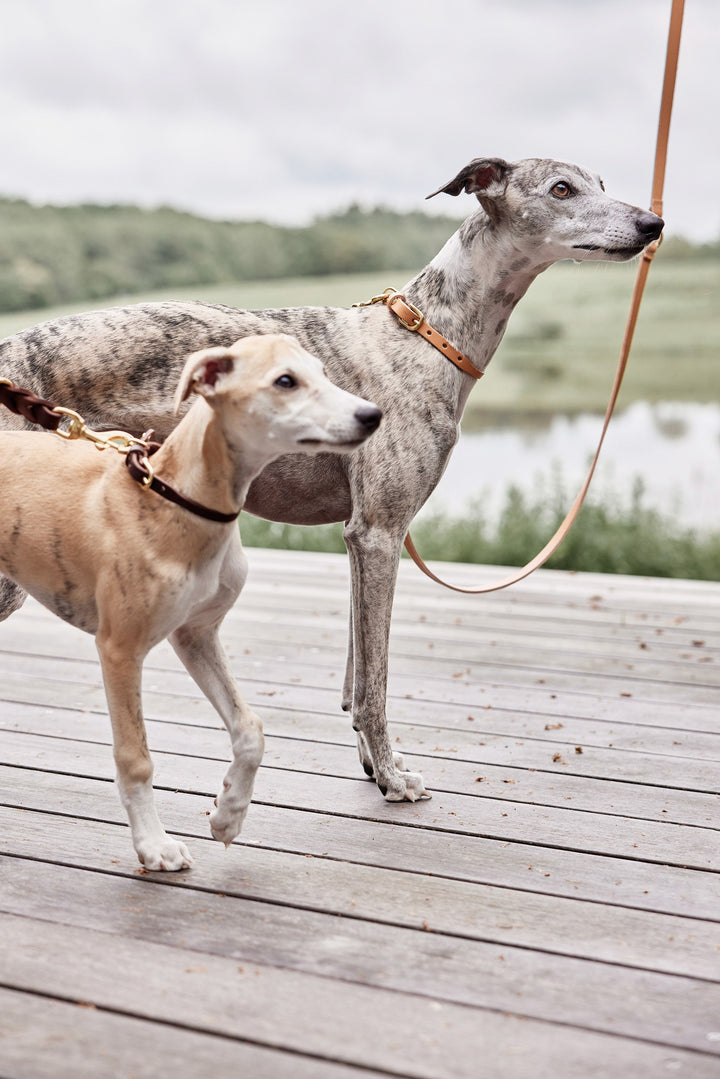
[
  {"x": 369, "y": 417},
  {"x": 649, "y": 225}
]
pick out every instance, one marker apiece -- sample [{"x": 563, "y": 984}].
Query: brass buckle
[
  {"x": 419, "y": 316},
  {"x": 77, "y": 428},
  {"x": 652, "y": 249},
  {"x": 149, "y": 476},
  {"x": 387, "y": 298},
  {"x": 382, "y": 298}
]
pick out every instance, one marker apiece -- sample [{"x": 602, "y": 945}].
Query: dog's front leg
[
  {"x": 204, "y": 658},
  {"x": 122, "y": 672},
  {"x": 374, "y": 555},
  {"x": 349, "y": 680}
]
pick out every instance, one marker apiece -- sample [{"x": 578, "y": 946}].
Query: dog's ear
[
  {"x": 485, "y": 177},
  {"x": 202, "y": 371}
]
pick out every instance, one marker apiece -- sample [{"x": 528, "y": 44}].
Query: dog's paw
[
  {"x": 164, "y": 854},
  {"x": 366, "y": 757},
  {"x": 404, "y": 787},
  {"x": 226, "y": 822}
]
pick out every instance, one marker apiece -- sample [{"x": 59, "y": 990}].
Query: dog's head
[
  {"x": 560, "y": 210},
  {"x": 267, "y": 387}
]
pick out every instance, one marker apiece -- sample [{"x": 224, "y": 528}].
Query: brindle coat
[{"x": 118, "y": 368}]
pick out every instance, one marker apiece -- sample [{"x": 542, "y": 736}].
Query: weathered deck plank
[
  {"x": 292, "y": 742},
  {"x": 521, "y": 918},
  {"x": 458, "y": 971},
  {"x": 550, "y": 912}
]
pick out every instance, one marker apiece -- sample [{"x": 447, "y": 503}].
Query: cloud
[{"x": 285, "y": 110}]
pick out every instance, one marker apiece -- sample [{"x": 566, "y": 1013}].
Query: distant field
[
  {"x": 563, "y": 341},
  {"x": 561, "y": 347}
]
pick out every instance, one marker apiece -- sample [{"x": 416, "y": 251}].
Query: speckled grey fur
[{"x": 118, "y": 368}]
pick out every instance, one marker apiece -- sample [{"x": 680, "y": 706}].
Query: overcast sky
[{"x": 283, "y": 110}]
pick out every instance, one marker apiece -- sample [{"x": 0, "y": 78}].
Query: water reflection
[{"x": 674, "y": 448}]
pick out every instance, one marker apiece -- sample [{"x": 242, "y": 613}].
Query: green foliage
[
  {"x": 677, "y": 247},
  {"x": 256, "y": 532},
  {"x": 563, "y": 340},
  {"x": 51, "y": 255},
  {"x": 607, "y": 537}
]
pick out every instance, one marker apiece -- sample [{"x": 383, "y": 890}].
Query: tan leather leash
[{"x": 671, "y": 62}]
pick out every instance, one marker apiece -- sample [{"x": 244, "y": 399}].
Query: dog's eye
[
  {"x": 561, "y": 190},
  {"x": 286, "y": 382}
]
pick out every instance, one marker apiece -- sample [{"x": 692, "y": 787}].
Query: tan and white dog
[{"x": 121, "y": 562}]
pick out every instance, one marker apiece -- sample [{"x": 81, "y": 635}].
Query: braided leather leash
[
  {"x": 136, "y": 451},
  {"x": 28, "y": 405},
  {"x": 671, "y": 62}
]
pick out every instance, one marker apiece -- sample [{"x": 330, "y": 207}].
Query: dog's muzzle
[{"x": 369, "y": 418}]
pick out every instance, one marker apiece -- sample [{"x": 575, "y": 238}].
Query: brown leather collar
[
  {"x": 139, "y": 467},
  {"x": 413, "y": 319}
]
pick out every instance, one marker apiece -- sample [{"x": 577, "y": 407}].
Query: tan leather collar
[{"x": 413, "y": 319}]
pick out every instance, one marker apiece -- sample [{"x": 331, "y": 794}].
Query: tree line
[{"x": 51, "y": 255}]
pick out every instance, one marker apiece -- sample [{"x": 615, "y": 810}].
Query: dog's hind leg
[
  {"x": 374, "y": 556},
  {"x": 122, "y": 672},
  {"x": 12, "y": 597},
  {"x": 203, "y": 656}
]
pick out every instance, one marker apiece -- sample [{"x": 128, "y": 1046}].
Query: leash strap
[
  {"x": 671, "y": 62},
  {"x": 32, "y": 408}
]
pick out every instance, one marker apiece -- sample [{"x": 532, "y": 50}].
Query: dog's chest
[{"x": 204, "y": 590}]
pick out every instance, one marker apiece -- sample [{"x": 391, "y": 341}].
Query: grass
[
  {"x": 339, "y": 290},
  {"x": 561, "y": 347},
  {"x": 608, "y": 537}
]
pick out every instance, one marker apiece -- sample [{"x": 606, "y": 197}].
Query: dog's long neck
[
  {"x": 200, "y": 461},
  {"x": 471, "y": 287}
]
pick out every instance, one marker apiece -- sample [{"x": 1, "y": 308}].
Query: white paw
[
  {"x": 164, "y": 854},
  {"x": 404, "y": 787},
  {"x": 226, "y": 822}
]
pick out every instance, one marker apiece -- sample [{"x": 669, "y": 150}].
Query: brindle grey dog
[{"x": 118, "y": 368}]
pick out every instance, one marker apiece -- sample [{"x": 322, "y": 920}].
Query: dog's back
[{"x": 119, "y": 366}]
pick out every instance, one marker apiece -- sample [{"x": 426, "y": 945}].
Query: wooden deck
[{"x": 554, "y": 911}]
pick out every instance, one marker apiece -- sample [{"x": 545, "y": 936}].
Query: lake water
[{"x": 673, "y": 448}]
